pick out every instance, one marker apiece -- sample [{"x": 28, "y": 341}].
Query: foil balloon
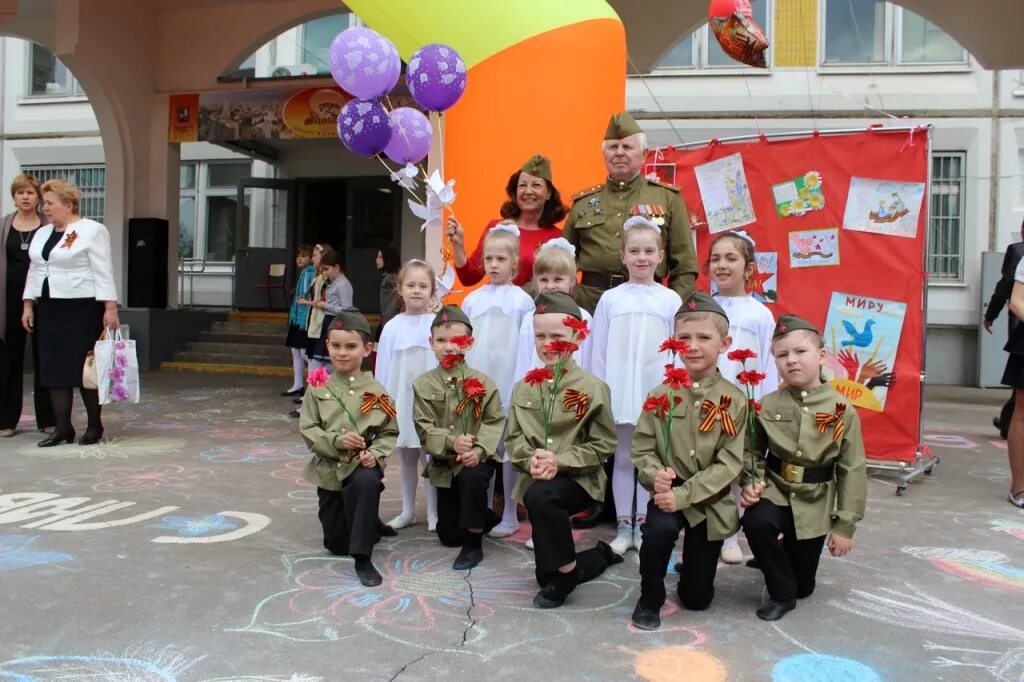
[{"x": 732, "y": 22}]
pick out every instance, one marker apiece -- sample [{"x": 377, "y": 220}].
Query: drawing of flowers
[
  {"x": 15, "y": 553},
  {"x": 255, "y": 452},
  {"x": 195, "y": 527},
  {"x": 124, "y": 479},
  {"x": 114, "y": 447}
]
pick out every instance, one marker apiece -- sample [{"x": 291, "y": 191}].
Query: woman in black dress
[
  {"x": 69, "y": 298},
  {"x": 16, "y": 232}
]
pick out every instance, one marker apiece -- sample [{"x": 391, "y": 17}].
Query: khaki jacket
[
  {"x": 787, "y": 427},
  {"x": 435, "y": 400},
  {"x": 322, "y": 423},
  {"x": 707, "y": 462},
  {"x": 580, "y": 445}
]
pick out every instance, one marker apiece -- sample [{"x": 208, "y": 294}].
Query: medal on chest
[{"x": 655, "y": 212}]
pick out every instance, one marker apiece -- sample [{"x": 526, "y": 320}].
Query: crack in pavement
[{"x": 471, "y": 623}]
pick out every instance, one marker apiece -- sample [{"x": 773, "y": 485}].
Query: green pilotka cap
[
  {"x": 556, "y": 302},
  {"x": 621, "y": 126},
  {"x": 351, "y": 320},
  {"x": 538, "y": 166},
  {"x": 700, "y": 302},
  {"x": 451, "y": 314},
  {"x": 792, "y": 323}
]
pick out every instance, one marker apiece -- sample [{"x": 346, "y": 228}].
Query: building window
[
  {"x": 48, "y": 76},
  {"x": 873, "y": 32},
  {"x": 946, "y": 231},
  {"x": 90, "y": 181},
  {"x": 700, "y": 49},
  {"x": 317, "y": 36},
  {"x": 208, "y": 209}
]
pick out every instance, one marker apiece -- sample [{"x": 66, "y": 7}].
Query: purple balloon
[
  {"x": 364, "y": 63},
  {"x": 364, "y": 127},
  {"x": 436, "y": 76},
  {"x": 411, "y": 136}
]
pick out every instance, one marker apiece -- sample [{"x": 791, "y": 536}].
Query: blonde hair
[
  {"x": 503, "y": 236},
  {"x": 416, "y": 264},
  {"x": 721, "y": 323},
  {"x": 26, "y": 180},
  {"x": 636, "y": 229},
  {"x": 66, "y": 193},
  {"x": 553, "y": 261}
]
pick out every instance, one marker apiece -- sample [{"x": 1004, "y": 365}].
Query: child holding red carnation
[
  {"x": 560, "y": 432},
  {"x": 688, "y": 449},
  {"x": 458, "y": 417}
]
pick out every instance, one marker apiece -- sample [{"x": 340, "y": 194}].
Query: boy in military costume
[
  {"x": 810, "y": 480},
  {"x": 594, "y": 224},
  {"x": 461, "y": 463},
  {"x": 348, "y": 461},
  {"x": 690, "y": 476},
  {"x": 563, "y": 470}
]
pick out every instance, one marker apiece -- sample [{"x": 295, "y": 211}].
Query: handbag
[{"x": 89, "y": 378}]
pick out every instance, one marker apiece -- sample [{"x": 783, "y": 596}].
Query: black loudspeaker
[{"x": 147, "y": 263}]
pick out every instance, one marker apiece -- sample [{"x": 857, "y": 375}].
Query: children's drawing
[
  {"x": 661, "y": 172},
  {"x": 799, "y": 196},
  {"x": 861, "y": 338},
  {"x": 814, "y": 248},
  {"x": 884, "y": 207},
  {"x": 764, "y": 282},
  {"x": 725, "y": 193}
]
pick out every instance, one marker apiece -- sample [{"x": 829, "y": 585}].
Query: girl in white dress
[
  {"x": 631, "y": 322},
  {"x": 731, "y": 266},
  {"x": 403, "y": 355},
  {"x": 554, "y": 269},
  {"x": 497, "y": 310}
]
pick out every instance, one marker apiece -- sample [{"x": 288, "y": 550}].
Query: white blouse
[
  {"x": 751, "y": 326},
  {"x": 497, "y": 313},
  {"x": 404, "y": 355}
]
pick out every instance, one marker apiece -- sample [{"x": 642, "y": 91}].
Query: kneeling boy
[{"x": 457, "y": 411}]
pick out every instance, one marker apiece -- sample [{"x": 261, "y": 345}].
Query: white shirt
[
  {"x": 404, "y": 355},
  {"x": 496, "y": 313},
  {"x": 751, "y": 326},
  {"x": 81, "y": 269}
]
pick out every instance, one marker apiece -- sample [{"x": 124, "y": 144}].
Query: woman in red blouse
[{"x": 536, "y": 206}]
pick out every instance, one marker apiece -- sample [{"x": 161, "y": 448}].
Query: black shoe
[
  {"x": 57, "y": 438},
  {"x": 549, "y": 598},
  {"x": 289, "y": 394},
  {"x": 590, "y": 517},
  {"x": 294, "y": 414},
  {"x": 91, "y": 438},
  {"x": 368, "y": 575},
  {"x": 645, "y": 618},
  {"x": 751, "y": 563},
  {"x": 297, "y": 401},
  {"x": 608, "y": 553},
  {"x": 468, "y": 558},
  {"x": 774, "y": 610},
  {"x": 384, "y": 530}
]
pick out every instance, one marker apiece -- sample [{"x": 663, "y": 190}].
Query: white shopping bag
[{"x": 117, "y": 369}]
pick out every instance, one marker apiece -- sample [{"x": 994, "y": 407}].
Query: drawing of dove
[{"x": 858, "y": 339}]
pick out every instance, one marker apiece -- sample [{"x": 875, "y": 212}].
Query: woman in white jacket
[{"x": 69, "y": 298}]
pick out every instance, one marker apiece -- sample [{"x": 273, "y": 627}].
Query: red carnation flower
[
  {"x": 658, "y": 405},
  {"x": 750, "y": 378},
  {"x": 561, "y": 347},
  {"x": 463, "y": 342},
  {"x": 741, "y": 355},
  {"x": 472, "y": 387},
  {"x": 536, "y": 377},
  {"x": 676, "y": 378},
  {"x": 755, "y": 406},
  {"x": 677, "y": 346},
  {"x": 578, "y": 326},
  {"x": 318, "y": 377},
  {"x": 450, "y": 362}
]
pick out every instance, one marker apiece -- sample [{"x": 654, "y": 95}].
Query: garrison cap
[
  {"x": 556, "y": 302},
  {"x": 700, "y": 302},
  {"x": 538, "y": 166},
  {"x": 792, "y": 323},
  {"x": 351, "y": 320},
  {"x": 621, "y": 126},
  {"x": 451, "y": 314}
]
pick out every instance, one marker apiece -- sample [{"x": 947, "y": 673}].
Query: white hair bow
[
  {"x": 640, "y": 221},
  {"x": 511, "y": 228},
  {"x": 559, "y": 243}
]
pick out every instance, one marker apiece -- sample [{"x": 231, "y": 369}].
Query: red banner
[{"x": 840, "y": 227}]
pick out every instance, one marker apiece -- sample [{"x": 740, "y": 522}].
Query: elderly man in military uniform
[{"x": 594, "y": 225}]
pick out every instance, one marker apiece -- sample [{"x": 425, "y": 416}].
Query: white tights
[
  {"x": 317, "y": 364},
  {"x": 412, "y": 462},
  {"x": 298, "y": 369},
  {"x": 624, "y": 485}
]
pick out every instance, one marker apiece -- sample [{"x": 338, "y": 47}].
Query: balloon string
[
  {"x": 446, "y": 244},
  {"x": 391, "y": 173}
]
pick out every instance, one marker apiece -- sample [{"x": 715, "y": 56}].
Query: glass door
[
  {"x": 264, "y": 236},
  {"x": 373, "y": 221}
]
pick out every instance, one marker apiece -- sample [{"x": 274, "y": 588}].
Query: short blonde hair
[
  {"x": 637, "y": 229},
  {"x": 416, "y": 264},
  {"x": 553, "y": 261},
  {"x": 505, "y": 237},
  {"x": 24, "y": 181},
  {"x": 66, "y": 193},
  {"x": 721, "y": 324}
]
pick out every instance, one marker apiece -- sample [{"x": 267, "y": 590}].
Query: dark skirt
[
  {"x": 68, "y": 329},
  {"x": 319, "y": 349},
  {"x": 1013, "y": 375},
  {"x": 297, "y": 337}
]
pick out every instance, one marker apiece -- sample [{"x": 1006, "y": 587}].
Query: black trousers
[
  {"x": 700, "y": 560},
  {"x": 789, "y": 565},
  {"x": 12, "y": 377},
  {"x": 349, "y": 516},
  {"x": 550, "y": 505},
  {"x": 464, "y": 505}
]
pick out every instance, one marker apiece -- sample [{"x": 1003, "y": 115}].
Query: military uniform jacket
[
  {"x": 582, "y": 439},
  {"x": 594, "y": 227},
  {"x": 322, "y": 423},
  {"x": 787, "y": 426},
  {"x": 436, "y": 398},
  {"x": 707, "y": 462}
]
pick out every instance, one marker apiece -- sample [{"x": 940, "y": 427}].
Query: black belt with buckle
[
  {"x": 600, "y": 280},
  {"x": 794, "y": 473}
]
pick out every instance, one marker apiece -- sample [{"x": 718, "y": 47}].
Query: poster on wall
[
  {"x": 884, "y": 207},
  {"x": 862, "y": 335},
  {"x": 799, "y": 196},
  {"x": 814, "y": 248},
  {"x": 725, "y": 194}
]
